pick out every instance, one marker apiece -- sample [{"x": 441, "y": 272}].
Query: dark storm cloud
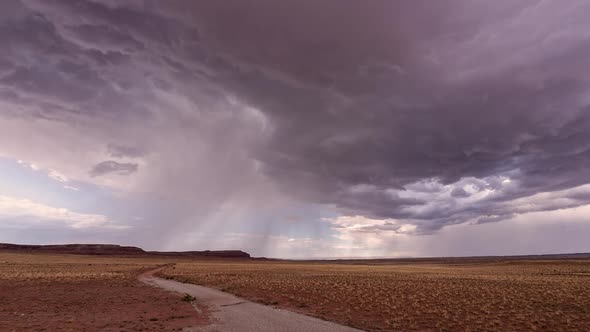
[
  {"x": 432, "y": 112},
  {"x": 51, "y": 76},
  {"x": 406, "y": 93},
  {"x": 110, "y": 166}
]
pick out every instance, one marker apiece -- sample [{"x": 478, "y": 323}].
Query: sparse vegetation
[
  {"x": 544, "y": 295},
  {"x": 188, "y": 298},
  {"x": 86, "y": 293},
  {"x": 510, "y": 295}
]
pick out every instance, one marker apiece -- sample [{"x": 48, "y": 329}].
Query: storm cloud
[
  {"x": 110, "y": 166},
  {"x": 415, "y": 115}
]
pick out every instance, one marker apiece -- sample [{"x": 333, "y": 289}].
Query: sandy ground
[
  {"x": 92, "y": 306},
  {"x": 41, "y": 292},
  {"x": 484, "y": 295},
  {"x": 61, "y": 293},
  {"x": 231, "y": 313}
]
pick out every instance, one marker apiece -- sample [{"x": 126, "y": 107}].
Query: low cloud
[
  {"x": 111, "y": 166},
  {"x": 32, "y": 212},
  {"x": 57, "y": 176}
]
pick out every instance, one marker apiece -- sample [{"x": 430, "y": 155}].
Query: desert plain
[{"x": 63, "y": 292}]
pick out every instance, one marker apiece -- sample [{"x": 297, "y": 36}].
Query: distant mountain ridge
[{"x": 114, "y": 249}]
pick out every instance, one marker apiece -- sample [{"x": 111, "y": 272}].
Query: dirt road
[{"x": 231, "y": 313}]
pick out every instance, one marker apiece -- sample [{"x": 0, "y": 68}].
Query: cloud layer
[
  {"x": 32, "y": 212},
  {"x": 411, "y": 114}
]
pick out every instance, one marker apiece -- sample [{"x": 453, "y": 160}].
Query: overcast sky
[{"x": 315, "y": 128}]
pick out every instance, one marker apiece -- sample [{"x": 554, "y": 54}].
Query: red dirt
[{"x": 92, "y": 305}]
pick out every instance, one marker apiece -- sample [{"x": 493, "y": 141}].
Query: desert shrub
[{"x": 188, "y": 298}]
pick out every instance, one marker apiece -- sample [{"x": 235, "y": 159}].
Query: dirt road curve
[{"x": 231, "y": 313}]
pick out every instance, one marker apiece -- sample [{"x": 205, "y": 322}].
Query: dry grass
[
  {"x": 90, "y": 292},
  {"x": 71, "y": 268},
  {"x": 508, "y": 296},
  {"x": 45, "y": 292}
]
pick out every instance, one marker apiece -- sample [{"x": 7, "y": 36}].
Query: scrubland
[
  {"x": 42, "y": 292},
  {"x": 551, "y": 295},
  {"x": 74, "y": 293}
]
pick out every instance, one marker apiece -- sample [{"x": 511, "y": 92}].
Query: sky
[{"x": 297, "y": 129}]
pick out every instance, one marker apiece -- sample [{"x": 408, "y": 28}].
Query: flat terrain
[
  {"x": 231, "y": 313},
  {"x": 544, "y": 295},
  {"x": 42, "y": 292},
  {"x": 51, "y": 292}
]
